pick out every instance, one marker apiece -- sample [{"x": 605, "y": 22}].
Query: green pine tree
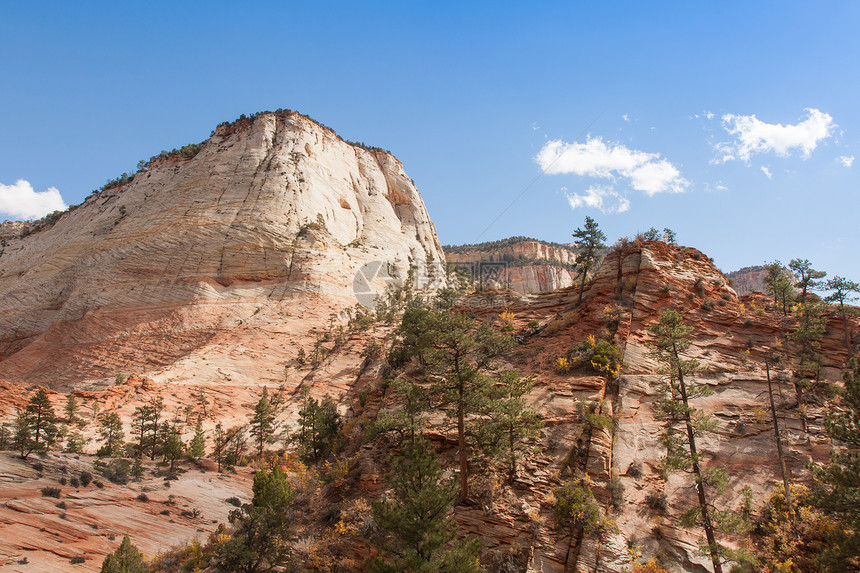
[
  {"x": 808, "y": 277},
  {"x": 262, "y": 425},
  {"x": 844, "y": 291},
  {"x": 589, "y": 242},
  {"x": 42, "y": 421},
  {"x": 260, "y": 529},
  {"x": 110, "y": 429},
  {"x": 418, "y": 521},
  {"x": 840, "y": 479},
  {"x": 126, "y": 559},
  {"x": 197, "y": 448},
  {"x": 457, "y": 351},
  {"x": 317, "y": 433},
  {"x": 673, "y": 339},
  {"x": 513, "y": 422}
]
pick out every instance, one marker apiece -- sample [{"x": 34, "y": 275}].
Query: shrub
[
  {"x": 234, "y": 501},
  {"x": 699, "y": 286},
  {"x": 51, "y": 492},
  {"x": 62, "y": 481},
  {"x": 142, "y": 497},
  {"x": 117, "y": 471},
  {"x": 38, "y": 467},
  {"x": 74, "y": 482},
  {"x": 61, "y": 505},
  {"x": 190, "y": 513},
  {"x": 86, "y": 478},
  {"x": 616, "y": 489},
  {"x": 656, "y": 501},
  {"x": 575, "y": 505},
  {"x": 597, "y": 354},
  {"x": 77, "y": 559}
]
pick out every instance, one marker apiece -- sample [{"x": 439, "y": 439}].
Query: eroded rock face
[
  {"x": 261, "y": 233},
  {"x": 524, "y": 265}
]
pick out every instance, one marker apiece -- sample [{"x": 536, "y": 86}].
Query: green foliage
[
  {"x": 589, "y": 242},
  {"x": 72, "y": 410},
  {"x": 411, "y": 402},
  {"x": 197, "y": 448},
  {"x": 259, "y": 541},
  {"x": 262, "y": 426},
  {"x": 117, "y": 471},
  {"x": 417, "y": 519},
  {"x": 651, "y": 234},
  {"x": 597, "y": 354},
  {"x": 126, "y": 559},
  {"x": 809, "y": 278},
  {"x": 36, "y": 427},
  {"x": 317, "y": 433},
  {"x": 779, "y": 285},
  {"x": 145, "y": 424},
  {"x": 110, "y": 430},
  {"x": 170, "y": 446},
  {"x": 456, "y": 351},
  {"x": 575, "y": 506},
  {"x": 512, "y": 423},
  {"x": 840, "y": 479}
]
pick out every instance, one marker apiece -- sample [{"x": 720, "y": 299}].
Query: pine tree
[
  {"x": 42, "y": 421},
  {"x": 806, "y": 336},
  {"x": 808, "y": 277},
  {"x": 72, "y": 410},
  {"x": 844, "y": 291},
  {"x": 457, "y": 350},
  {"x": 840, "y": 478},
  {"x": 779, "y": 285},
  {"x": 197, "y": 448},
  {"x": 22, "y": 436},
  {"x": 262, "y": 425},
  {"x": 218, "y": 451},
  {"x": 673, "y": 338},
  {"x": 260, "y": 536},
  {"x": 319, "y": 424},
  {"x": 170, "y": 442},
  {"x": 512, "y": 420},
  {"x": 418, "y": 521},
  {"x": 589, "y": 241},
  {"x": 770, "y": 359},
  {"x": 110, "y": 429},
  {"x": 126, "y": 559},
  {"x": 145, "y": 424}
]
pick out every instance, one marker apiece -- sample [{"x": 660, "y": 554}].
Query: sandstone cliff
[
  {"x": 195, "y": 262},
  {"x": 522, "y": 264},
  {"x": 516, "y": 523}
]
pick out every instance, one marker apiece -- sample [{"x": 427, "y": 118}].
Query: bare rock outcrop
[
  {"x": 266, "y": 227},
  {"x": 522, "y": 264}
]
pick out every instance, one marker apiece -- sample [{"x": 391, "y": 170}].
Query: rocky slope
[
  {"x": 516, "y": 521},
  {"x": 218, "y": 266},
  {"x": 522, "y": 264}
]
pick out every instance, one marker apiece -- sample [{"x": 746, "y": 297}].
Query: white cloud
[
  {"x": 20, "y": 201},
  {"x": 599, "y": 197},
  {"x": 755, "y": 136},
  {"x": 706, "y": 114},
  {"x": 647, "y": 172},
  {"x": 767, "y": 172},
  {"x": 846, "y": 160},
  {"x": 625, "y": 117}
]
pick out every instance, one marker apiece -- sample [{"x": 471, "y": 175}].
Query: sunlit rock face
[{"x": 260, "y": 234}]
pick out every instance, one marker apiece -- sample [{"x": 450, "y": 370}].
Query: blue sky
[{"x": 736, "y": 127}]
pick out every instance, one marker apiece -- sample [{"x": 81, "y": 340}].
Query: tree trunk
[
  {"x": 700, "y": 486},
  {"x": 785, "y": 477},
  {"x": 461, "y": 444}
]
